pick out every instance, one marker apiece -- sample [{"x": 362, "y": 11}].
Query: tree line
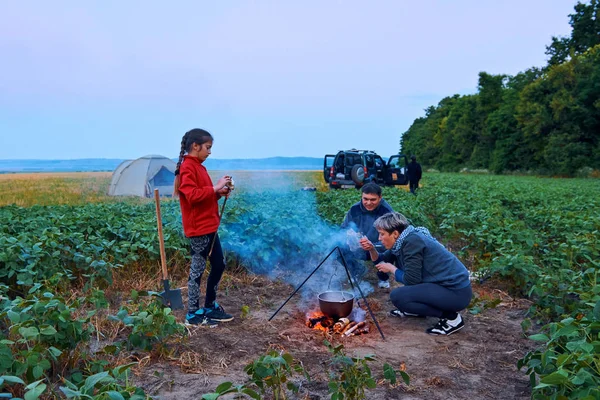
[{"x": 544, "y": 120}]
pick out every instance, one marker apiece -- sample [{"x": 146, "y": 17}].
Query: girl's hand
[
  {"x": 224, "y": 192},
  {"x": 221, "y": 183},
  {"x": 366, "y": 244},
  {"x": 386, "y": 267}
]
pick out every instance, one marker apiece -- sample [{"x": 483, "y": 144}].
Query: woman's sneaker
[
  {"x": 200, "y": 319},
  {"x": 217, "y": 313},
  {"x": 404, "y": 314},
  {"x": 384, "y": 284},
  {"x": 446, "y": 326}
]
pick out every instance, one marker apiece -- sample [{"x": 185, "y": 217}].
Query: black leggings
[
  {"x": 200, "y": 246},
  {"x": 430, "y": 300}
]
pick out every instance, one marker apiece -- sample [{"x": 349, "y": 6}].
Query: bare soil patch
[{"x": 476, "y": 363}]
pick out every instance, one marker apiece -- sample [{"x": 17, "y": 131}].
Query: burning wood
[
  {"x": 312, "y": 322},
  {"x": 342, "y": 326}
]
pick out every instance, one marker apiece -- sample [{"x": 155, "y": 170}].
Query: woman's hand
[
  {"x": 386, "y": 267},
  {"x": 366, "y": 244}
]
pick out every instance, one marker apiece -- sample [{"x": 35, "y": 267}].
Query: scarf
[{"x": 410, "y": 229}]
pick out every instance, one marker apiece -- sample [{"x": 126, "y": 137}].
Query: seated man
[{"x": 360, "y": 218}]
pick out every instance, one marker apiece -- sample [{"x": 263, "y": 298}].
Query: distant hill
[{"x": 109, "y": 164}]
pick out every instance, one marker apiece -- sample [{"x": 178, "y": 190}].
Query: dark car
[{"x": 353, "y": 168}]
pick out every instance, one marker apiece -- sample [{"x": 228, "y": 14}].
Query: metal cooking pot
[{"x": 336, "y": 304}]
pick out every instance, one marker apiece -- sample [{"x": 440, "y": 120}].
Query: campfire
[{"x": 342, "y": 326}]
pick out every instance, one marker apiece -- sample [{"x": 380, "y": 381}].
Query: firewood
[
  {"x": 362, "y": 331},
  {"x": 350, "y": 325},
  {"x": 355, "y": 327},
  {"x": 339, "y": 326}
]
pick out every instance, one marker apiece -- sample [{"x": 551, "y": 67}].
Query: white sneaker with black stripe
[
  {"x": 403, "y": 314},
  {"x": 384, "y": 284},
  {"x": 447, "y": 326}
]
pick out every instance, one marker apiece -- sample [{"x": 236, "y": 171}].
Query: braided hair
[{"x": 198, "y": 136}]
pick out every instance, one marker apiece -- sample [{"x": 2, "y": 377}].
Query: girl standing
[{"x": 198, "y": 198}]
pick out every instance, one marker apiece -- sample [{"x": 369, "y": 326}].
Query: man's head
[
  {"x": 371, "y": 196},
  {"x": 413, "y": 157}
]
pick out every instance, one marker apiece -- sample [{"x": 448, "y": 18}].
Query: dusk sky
[{"x": 114, "y": 79}]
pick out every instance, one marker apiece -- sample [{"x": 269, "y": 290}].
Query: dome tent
[{"x": 140, "y": 177}]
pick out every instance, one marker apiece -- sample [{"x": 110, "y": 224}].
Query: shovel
[{"x": 171, "y": 298}]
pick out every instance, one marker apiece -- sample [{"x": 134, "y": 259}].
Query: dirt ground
[{"x": 477, "y": 362}]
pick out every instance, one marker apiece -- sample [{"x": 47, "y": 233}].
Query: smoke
[{"x": 275, "y": 230}]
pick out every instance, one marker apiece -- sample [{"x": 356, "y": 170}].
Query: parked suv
[{"x": 353, "y": 168}]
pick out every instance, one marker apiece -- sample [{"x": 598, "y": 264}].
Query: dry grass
[
  {"x": 54, "y": 188},
  {"x": 75, "y": 188}
]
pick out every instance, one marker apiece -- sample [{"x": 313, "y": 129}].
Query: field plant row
[
  {"x": 80, "y": 242},
  {"x": 46, "y": 343},
  {"x": 273, "y": 375},
  {"x": 539, "y": 236}
]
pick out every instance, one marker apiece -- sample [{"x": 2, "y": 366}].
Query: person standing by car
[
  {"x": 360, "y": 218},
  {"x": 436, "y": 283},
  {"x": 413, "y": 169}
]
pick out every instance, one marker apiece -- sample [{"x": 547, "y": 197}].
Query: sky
[{"x": 114, "y": 79}]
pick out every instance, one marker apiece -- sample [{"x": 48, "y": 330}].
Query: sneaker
[
  {"x": 384, "y": 284},
  {"x": 217, "y": 313},
  {"x": 199, "y": 319},
  {"x": 446, "y": 326},
  {"x": 403, "y": 314}
]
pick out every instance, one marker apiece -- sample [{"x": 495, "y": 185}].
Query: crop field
[{"x": 80, "y": 271}]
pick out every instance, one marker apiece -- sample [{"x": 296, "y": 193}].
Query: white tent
[{"x": 140, "y": 177}]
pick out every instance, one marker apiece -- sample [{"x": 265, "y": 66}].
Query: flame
[{"x": 319, "y": 321}]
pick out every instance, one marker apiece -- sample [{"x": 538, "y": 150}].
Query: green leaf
[
  {"x": 565, "y": 331},
  {"x": 70, "y": 393},
  {"x": 12, "y": 379},
  {"x": 91, "y": 381},
  {"x": 54, "y": 351},
  {"x": 596, "y": 312},
  {"x": 113, "y": 395},
  {"x": 389, "y": 373},
  {"x": 37, "y": 372},
  {"x": 405, "y": 377},
  {"x": 540, "y": 337},
  {"x": 30, "y": 332},
  {"x": 223, "y": 387},
  {"x": 14, "y": 317},
  {"x": 555, "y": 378},
  {"x": 47, "y": 330},
  {"x": 210, "y": 396},
  {"x": 35, "y": 392},
  {"x": 254, "y": 395}
]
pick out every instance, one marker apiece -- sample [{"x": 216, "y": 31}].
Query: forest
[{"x": 544, "y": 120}]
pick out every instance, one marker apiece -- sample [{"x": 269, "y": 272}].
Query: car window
[{"x": 352, "y": 159}]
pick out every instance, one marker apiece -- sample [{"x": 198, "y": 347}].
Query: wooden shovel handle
[{"x": 163, "y": 256}]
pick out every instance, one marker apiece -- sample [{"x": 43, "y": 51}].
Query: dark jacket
[
  {"x": 413, "y": 171},
  {"x": 359, "y": 218},
  {"x": 423, "y": 260}
]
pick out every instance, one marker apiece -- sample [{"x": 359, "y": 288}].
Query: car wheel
[{"x": 358, "y": 174}]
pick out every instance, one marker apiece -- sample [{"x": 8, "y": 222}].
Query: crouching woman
[{"x": 436, "y": 283}]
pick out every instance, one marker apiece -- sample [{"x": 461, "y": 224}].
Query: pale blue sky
[{"x": 114, "y": 79}]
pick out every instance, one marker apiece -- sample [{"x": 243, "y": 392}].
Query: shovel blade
[{"x": 172, "y": 297}]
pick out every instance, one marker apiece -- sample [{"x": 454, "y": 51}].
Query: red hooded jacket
[{"x": 197, "y": 198}]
